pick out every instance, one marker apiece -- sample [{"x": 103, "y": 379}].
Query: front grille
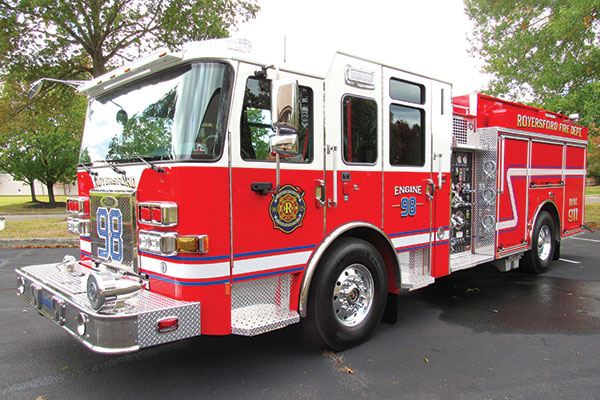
[{"x": 113, "y": 228}]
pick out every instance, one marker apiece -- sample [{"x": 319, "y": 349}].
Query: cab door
[
  {"x": 408, "y": 182},
  {"x": 274, "y": 229},
  {"x": 353, "y": 144}
]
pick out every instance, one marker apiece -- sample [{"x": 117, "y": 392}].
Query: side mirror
[
  {"x": 284, "y": 145},
  {"x": 285, "y": 105},
  {"x": 36, "y": 88}
]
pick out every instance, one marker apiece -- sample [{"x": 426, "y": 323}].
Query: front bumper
[{"x": 61, "y": 297}]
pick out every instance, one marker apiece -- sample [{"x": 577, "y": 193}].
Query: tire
[
  {"x": 348, "y": 294},
  {"x": 538, "y": 259}
]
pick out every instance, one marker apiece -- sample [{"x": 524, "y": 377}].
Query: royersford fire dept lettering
[
  {"x": 525, "y": 121},
  {"x": 119, "y": 180},
  {"x": 399, "y": 190}
]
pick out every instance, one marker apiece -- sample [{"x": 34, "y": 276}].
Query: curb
[{"x": 39, "y": 242}]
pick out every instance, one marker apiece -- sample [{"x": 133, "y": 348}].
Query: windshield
[{"x": 179, "y": 114}]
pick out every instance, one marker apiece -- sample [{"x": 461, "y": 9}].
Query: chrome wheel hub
[
  {"x": 544, "y": 243},
  {"x": 353, "y": 295}
]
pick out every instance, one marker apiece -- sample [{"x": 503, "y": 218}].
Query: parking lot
[{"x": 477, "y": 334}]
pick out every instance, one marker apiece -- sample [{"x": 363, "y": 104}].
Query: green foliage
[
  {"x": 147, "y": 134},
  {"x": 79, "y": 39},
  {"x": 90, "y": 35},
  {"x": 42, "y": 142},
  {"x": 546, "y": 52}
]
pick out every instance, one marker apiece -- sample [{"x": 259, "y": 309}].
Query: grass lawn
[
  {"x": 23, "y": 205},
  {"x": 592, "y": 190},
  {"x": 592, "y": 215},
  {"x": 39, "y": 228}
]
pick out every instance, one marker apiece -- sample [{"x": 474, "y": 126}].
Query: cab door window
[
  {"x": 256, "y": 128},
  {"x": 359, "y": 130}
]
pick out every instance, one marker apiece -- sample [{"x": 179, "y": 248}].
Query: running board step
[
  {"x": 415, "y": 281},
  {"x": 260, "y": 318}
]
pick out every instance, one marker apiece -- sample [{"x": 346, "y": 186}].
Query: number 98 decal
[
  {"x": 408, "y": 205},
  {"x": 110, "y": 229}
]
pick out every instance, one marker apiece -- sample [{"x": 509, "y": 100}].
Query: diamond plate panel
[
  {"x": 261, "y": 305},
  {"x": 485, "y": 165},
  {"x": 417, "y": 262},
  {"x": 189, "y": 325},
  {"x": 260, "y": 318}
]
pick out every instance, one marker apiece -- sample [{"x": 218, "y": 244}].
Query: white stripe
[
  {"x": 569, "y": 261},
  {"x": 411, "y": 240},
  {"x": 532, "y": 172},
  {"x": 186, "y": 271},
  {"x": 270, "y": 262},
  {"x": 86, "y": 246},
  {"x": 589, "y": 240}
]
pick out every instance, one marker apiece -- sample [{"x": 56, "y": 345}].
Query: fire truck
[{"x": 221, "y": 195}]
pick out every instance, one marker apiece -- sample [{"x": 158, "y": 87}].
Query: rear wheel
[
  {"x": 348, "y": 293},
  {"x": 538, "y": 259}
]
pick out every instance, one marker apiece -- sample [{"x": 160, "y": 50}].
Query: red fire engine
[{"x": 219, "y": 195}]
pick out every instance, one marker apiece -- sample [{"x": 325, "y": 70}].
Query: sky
[{"x": 428, "y": 37}]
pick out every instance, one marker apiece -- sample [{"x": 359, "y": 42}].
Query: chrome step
[{"x": 260, "y": 318}]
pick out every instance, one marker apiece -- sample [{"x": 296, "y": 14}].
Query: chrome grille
[{"x": 113, "y": 228}]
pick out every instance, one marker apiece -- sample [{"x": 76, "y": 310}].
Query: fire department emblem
[{"x": 287, "y": 208}]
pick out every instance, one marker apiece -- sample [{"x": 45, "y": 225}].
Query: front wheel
[
  {"x": 537, "y": 260},
  {"x": 348, "y": 294}
]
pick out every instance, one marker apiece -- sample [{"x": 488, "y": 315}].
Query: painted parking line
[
  {"x": 588, "y": 240},
  {"x": 569, "y": 261}
]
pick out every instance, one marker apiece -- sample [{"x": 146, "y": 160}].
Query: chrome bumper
[{"x": 61, "y": 297}]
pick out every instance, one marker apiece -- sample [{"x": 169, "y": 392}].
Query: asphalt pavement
[{"x": 476, "y": 334}]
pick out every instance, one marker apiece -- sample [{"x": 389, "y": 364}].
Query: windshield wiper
[
  {"x": 148, "y": 163},
  {"x": 89, "y": 171},
  {"x": 117, "y": 170}
]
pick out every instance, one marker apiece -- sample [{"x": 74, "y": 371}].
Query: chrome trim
[
  {"x": 311, "y": 266},
  {"x": 540, "y": 136},
  {"x": 353, "y": 295},
  {"x": 96, "y": 195},
  {"x": 168, "y": 212},
  {"x": 81, "y": 202},
  {"x": 128, "y": 330},
  {"x": 557, "y": 229}
]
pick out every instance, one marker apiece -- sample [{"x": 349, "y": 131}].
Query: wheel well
[
  {"x": 387, "y": 253},
  {"x": 550, "y": 207},
  {"x": 360, "y": 230}
]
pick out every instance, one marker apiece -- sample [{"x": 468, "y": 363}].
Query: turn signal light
[
  {"x": 169, "y": 243},
  {"x": 192, "y": 244}
]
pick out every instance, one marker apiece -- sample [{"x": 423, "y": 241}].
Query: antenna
[{"x": 284, "y": 49}]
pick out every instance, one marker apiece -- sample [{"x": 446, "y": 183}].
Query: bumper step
[{"x": 61, "y": 297}]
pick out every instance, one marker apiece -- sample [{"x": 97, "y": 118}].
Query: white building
[{"x": 10, "y": 187}]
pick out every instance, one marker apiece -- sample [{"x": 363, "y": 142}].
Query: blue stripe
[
  {"x": 263, "y": 275},
  {"x": 409, "y": 232},
  {"x": 255, "y": 253},
  {"x": 412, "y": 248},
  {"x": 187, "y": 283},
  {"x": 186, "y": 258}
]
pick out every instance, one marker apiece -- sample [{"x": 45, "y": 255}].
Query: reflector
[{"x": 168, "y": 324}]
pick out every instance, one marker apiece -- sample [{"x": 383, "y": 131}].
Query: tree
[
  {"x": 42, "y": 142},
  {"x": 544, "y": 51},
  {"x": 90, "y": 35},
  {"x": 80, "y": 39}
]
